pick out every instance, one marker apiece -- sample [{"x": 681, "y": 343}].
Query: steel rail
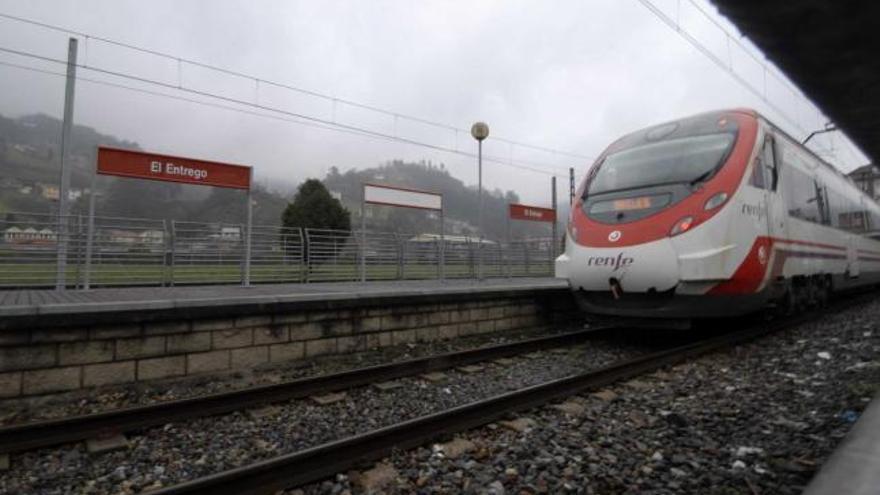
[
  {"x": 53, "y": 432},
  {"x": 319, "y": 462}
]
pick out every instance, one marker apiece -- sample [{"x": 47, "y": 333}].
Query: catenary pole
[
  {"x": 442, "y": 242},
  {"x": 364, "y": 234},
  {"x": 555, "y": 220},
  {"x": 248, "y": 231},
  {"x": 90, "y": 233},
  {"x": 64, "y": 186}
]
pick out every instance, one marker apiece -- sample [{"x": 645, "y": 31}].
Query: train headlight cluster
[{"x": 715, "y": 201}]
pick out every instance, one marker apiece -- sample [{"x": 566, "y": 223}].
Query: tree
[{"x": 314, "y": 208}]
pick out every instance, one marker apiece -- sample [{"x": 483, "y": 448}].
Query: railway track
[
  {"x": 322, "y": 461},
  {"x": 29, "y": 436}
]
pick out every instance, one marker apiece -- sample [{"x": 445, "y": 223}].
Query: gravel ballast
[
  {"x": 182, "y": 451},
  {"x": 14, "y": 411},
  {"x": 757, "y": 419},
  {"x": 760, "y": 418}
]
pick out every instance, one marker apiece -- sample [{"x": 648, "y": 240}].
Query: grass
[{"x": 43, "y": 274}]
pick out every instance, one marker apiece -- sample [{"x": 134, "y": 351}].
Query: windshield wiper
[{"x": 700, "y": 178}]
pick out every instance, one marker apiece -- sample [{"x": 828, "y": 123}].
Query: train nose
[{"x": 642, "y": 268}]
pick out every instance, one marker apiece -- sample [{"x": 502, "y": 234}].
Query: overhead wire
[
  {"x": 258, "y": 80},
  {"x": 326, "y": 124},
  {"x": 676, "y": 26}
]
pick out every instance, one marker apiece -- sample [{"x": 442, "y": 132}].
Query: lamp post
[{"x": 480, "y": 131}]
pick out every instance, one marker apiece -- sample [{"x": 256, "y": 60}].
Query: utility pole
[
  {"x": 63, "y": 189},
  {"x": 555, "y": 219}
]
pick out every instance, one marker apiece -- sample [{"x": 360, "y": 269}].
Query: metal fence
[{"x": 130, "y": 252}]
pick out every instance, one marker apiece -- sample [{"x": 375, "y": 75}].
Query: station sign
[
  {"x": 156, "y": 166},
  {"x": 398, "y": 196},
  {"x": 532, "y": 213}
]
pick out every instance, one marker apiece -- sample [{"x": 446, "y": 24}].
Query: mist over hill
[{"x": 30, "y": 164}]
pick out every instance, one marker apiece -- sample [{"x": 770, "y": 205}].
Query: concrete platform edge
[{"x": 854, "y": 467}]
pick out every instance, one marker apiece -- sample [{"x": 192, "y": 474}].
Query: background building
[{"x": 867, "y": 177}]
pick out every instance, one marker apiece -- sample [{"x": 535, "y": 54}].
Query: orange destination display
[
  {"x": 632, "y": 203},
  {"x": 533, "y": 213},
  {"x": 156, "y": 166}
]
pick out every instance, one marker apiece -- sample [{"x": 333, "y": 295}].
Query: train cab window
[
  {"x": 757, "y": 178},
  {"x": 653, "y": 169},
  {"x": 764, "y": 170}
]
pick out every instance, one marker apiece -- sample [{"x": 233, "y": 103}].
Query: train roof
[{"x": 751, "y": 112}]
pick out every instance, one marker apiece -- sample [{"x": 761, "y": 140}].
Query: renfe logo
[
  {"x": 178, "y": 170},
  {"x": 620, "y": 261}
]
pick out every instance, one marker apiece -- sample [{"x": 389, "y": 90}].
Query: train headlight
[
  {"x": 715, "y": 201},
  {"x": 682, "y": 226}
]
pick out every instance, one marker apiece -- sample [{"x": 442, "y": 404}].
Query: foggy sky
[{"x": 568, "y": 75}]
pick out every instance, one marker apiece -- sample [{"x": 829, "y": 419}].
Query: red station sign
[
  {"x": 533, "y": 213},
  {"x": 155, "y": 166}
]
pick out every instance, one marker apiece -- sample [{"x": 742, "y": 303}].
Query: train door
[
  {"x": 852, "y": 255},
  {"x": 852, "y": 244},
  {"x": 775, "y": 205}
]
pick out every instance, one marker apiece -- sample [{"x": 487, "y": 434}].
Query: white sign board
[{"x": 396, "y": 196}]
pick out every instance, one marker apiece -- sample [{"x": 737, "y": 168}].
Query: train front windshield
[
  {"x": 688, "y": 160},
  {"x": 655, "y": 168}
]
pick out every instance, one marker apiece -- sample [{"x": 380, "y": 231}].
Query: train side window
[
  {"x": 835, "y": 207},
  {"x": 757, "y": 178},
  {"x": 800, "y": 194},
  {"x": 768, "y": 159},
  {"x": 853, "y": 217},
  {"x": 821, "y": 199},
  {"x": 874, "y": 223}
]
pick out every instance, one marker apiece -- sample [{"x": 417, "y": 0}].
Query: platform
[
  {"x": 61, "y": 341},
  {"x": 854, "y": 468},
  {"x": 28, "y": 305}
]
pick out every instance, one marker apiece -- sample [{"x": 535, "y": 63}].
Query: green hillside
[{"x": 29, "y": 160}]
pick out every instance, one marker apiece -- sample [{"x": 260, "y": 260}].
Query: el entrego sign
[
  {"x": 533, "y": 213},
  {"x": 156, "y": 166}
]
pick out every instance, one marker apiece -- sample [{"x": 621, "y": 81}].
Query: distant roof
[
  {"x": 827, "y": 49},
  {"x": 448, "y": 238},
  {"x": 869, "y": 169}
]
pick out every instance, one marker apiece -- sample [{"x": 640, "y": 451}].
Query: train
[{"x": 716, "y": 215}]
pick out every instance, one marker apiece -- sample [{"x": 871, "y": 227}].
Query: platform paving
[
  {"x": 34, "y": 302},
  {"x": 854, "y": 468}
]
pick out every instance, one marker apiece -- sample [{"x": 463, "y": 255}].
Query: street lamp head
[{"x": 480, "y": 131}]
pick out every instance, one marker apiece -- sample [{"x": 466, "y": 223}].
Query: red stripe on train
[
  {"x": 751, "y": 272},
  {"x": 809, "y": 243}
]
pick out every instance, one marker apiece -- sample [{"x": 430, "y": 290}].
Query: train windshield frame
[{"x": 689, "y": 159}]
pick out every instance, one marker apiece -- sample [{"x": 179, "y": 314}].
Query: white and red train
[{"x": 720, "y": 214}]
